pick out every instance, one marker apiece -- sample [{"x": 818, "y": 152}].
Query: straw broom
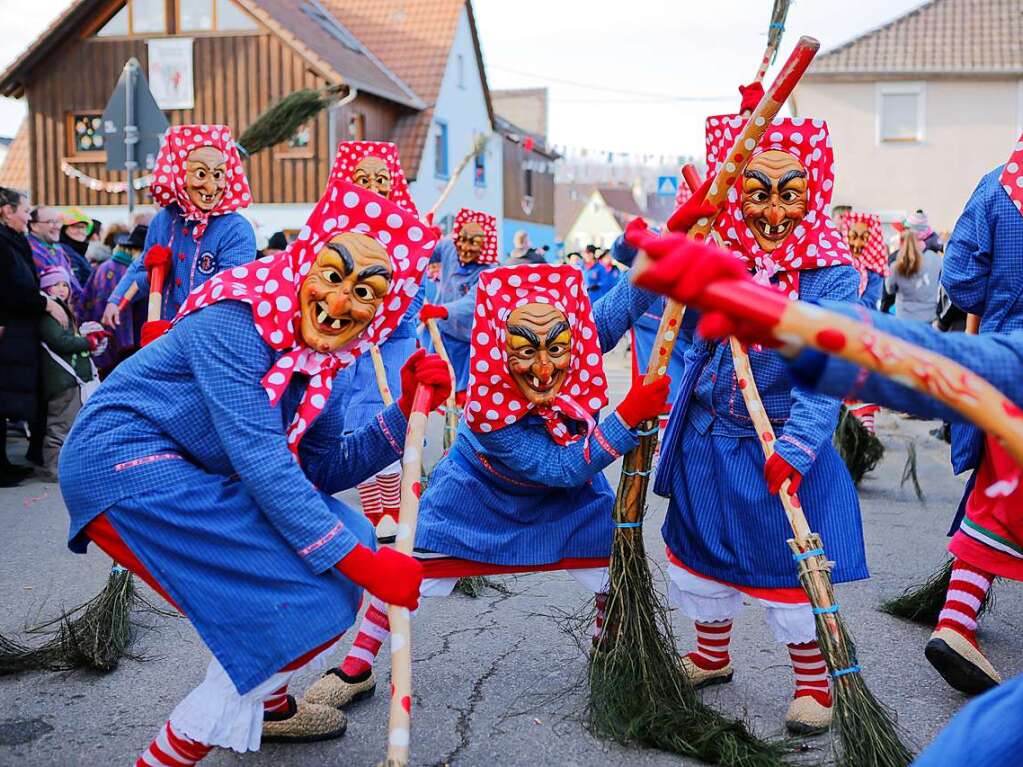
[
  {"x": 639, "y": 692},
  {"x": 865, "y": 728},
  {"x": 278, "y": 122},
  {"x": 923, "y": 602},
  {"x": 400, "y": 719},
  {"x": 859, "y": 449},
  {"x": 97, "y": 634}
]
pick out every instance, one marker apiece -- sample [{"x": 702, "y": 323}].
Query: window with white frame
[{"x": 901, "y": 110}]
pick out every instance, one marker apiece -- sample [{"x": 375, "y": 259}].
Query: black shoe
[{"x": 12, "y": 474}]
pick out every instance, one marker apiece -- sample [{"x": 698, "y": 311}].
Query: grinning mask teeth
[
  {"x": 343, "y": 290},
  {"x": 206, "y": 177},
  {"x": 538, "y": 343},
  {"x": 774, "y": 195}
]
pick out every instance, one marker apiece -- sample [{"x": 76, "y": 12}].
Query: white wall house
[
  {"x": 459, "y": 116},
  {"x": 921, "y": 108}
]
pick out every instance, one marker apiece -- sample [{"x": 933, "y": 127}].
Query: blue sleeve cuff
[
  {"x": 325, "y": 552},
  {"x": 614, "y": 437},
  {"x": 393, "y": 424},
  {"x": 799, "y": 455}
]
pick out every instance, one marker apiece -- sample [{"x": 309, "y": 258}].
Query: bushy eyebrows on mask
[
  {"x": 349, "y": 264},
  {"x": 529, "y": 335},
  {"x": 764, "y": 179}
]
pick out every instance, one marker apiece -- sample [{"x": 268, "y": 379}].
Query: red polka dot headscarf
[
  {"x": 874, "y": 256},
  {"x": 1011, "y": 177},
  {"x": 168, "y": 184},
  {"x": 350, "y": 153},
  {"x": 493, "y": 400},
  {"x": 270, "y": 285},
  {"x": 489, "y": 225},
  {"x": 816, "y": 241}
]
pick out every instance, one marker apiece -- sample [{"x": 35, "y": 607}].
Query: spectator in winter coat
[
  {"x": 66, "y": 367},
  {"x": 914, "y": 279},
  {"x": 75, "y": 237},
  {"x": 21, "y": 307},
  {"x": 44, "y": 225}
]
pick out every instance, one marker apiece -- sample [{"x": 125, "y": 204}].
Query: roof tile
[
  {"x": 941, "y": 36},
  {"x": 14, "y": 171}
]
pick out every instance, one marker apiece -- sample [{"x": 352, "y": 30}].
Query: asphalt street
[{"x": 497, "y": 679}]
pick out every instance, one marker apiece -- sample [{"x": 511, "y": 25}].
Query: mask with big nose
[
  {"x": 539, "y": 347},
  {"x": 343, "y": 290},
  {"x": 373, "y": 174},
  {"x": 205, "y": 177},
  {"x": 857, "y": 236},
  {"x": 774, "y": 195},
  {"x": 470, "y": 242}
]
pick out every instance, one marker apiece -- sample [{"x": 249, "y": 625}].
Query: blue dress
[
  {"x": 872, "y": 292},
  {"x": 228, "y": 241},
  {"x": 182, "y": 450},
  {"x": 457, "y": 293},
  {"x": 982, "y": 272},
  {"x": 722, "y": 522},
  {"x": 514, "y": 496}
]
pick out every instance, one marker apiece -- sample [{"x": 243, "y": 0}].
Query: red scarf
[
  {"x": 350, "y": 153},
  {"x": 1012, "y": 175},
  {"x": 489, "y": 225},
  {"x": 271, "y": 285},
  {"x": 168, "y": 184},
  {"x": 815, "y": 242},
  {"x": 874, "y": 256},
  {"x": 493, "y": 399}
]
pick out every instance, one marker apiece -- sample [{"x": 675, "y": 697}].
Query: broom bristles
[
  {"x": 777, "y": 27},
  {"x": 859, "y": 449},
  {"x": 640, "y": 694},
  {"x": 279, "y": 122},
  {"x": 94, "y": 635},
  {"x": 923, "y": 603},
  {"x": 867, "y": 733}
]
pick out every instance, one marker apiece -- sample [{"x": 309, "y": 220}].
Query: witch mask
[
  {"x": 774, "y": 194},
  {"x": 539, "y": 348},
  {"x": 373, "y": 174},
  {"x": 205, "y": 176},
  {"x": 470, "y": 242},
  {"x": 343, "y": 290},
  {"x": 856, "y": 236}
]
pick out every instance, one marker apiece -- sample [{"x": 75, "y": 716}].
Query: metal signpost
[{"x": 133, "y": 126}]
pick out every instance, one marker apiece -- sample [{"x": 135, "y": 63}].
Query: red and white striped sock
[
  {"x": 171, "y": 749},
  {"x": 373, "y": 630},
  {"x": 965, "y": 594},
  {"x": 712, "y": 641},
  {"x": 369, "y": 494},
  {"x": 276, "y": 701},
  {"x": 600, "y": 601},
  {"x": 811, "y": 672},
  {"x": 390, "y": 493}
]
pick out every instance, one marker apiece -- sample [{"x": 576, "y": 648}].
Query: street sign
[
  {"x": 148, "y": 121},
  {"x": 667, "y": 186}
]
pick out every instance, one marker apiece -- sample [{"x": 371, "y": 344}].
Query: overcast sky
[{"x": 638, "y": 78}]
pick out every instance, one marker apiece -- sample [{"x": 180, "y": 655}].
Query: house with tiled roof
[
  {"x": 415, "y": 67},
  {"x": 604, "y": 214},
  {"x": 922, "y": 107}
]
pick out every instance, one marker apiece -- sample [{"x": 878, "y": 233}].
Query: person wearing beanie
[
  {"x": 74, "y": 236},
  {"x": 96, "y": 295},
  {"x": 67, "y": 370},
  {"x": 200, "y": 183}
]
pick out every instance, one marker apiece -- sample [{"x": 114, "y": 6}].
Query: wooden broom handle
[
  {"x": 973, "y": 324},
  {"x": 400, "y": 715},
  {"x": 438, "y": 346},
  {"x": 765, "y": 432},
  {"x": 735, "y": 162},
  {"x": 795, "y": 322},
  {"x": 156, "y": 277},
  {"x": 381, "y": 374},
  {"x": 478, "y": 146}
]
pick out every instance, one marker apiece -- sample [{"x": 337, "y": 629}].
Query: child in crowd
[{"x": 68, "y": 375}]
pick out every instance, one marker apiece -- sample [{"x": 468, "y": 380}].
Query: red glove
[
  {"x": 152, "y": 330},
  {"x": 433, "y": 312},
  {"x": 692, "y": 210},
  {"x": 644, "y": 401},
  {"x": 97, "y": 339},
  {"x": 751, "y": 96},
  {"x": 777, "y": 470},
  {"x": 426, "y": 370},
  {"x": 388, "y": 575},
  {"x": 157, "y": 256}
]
